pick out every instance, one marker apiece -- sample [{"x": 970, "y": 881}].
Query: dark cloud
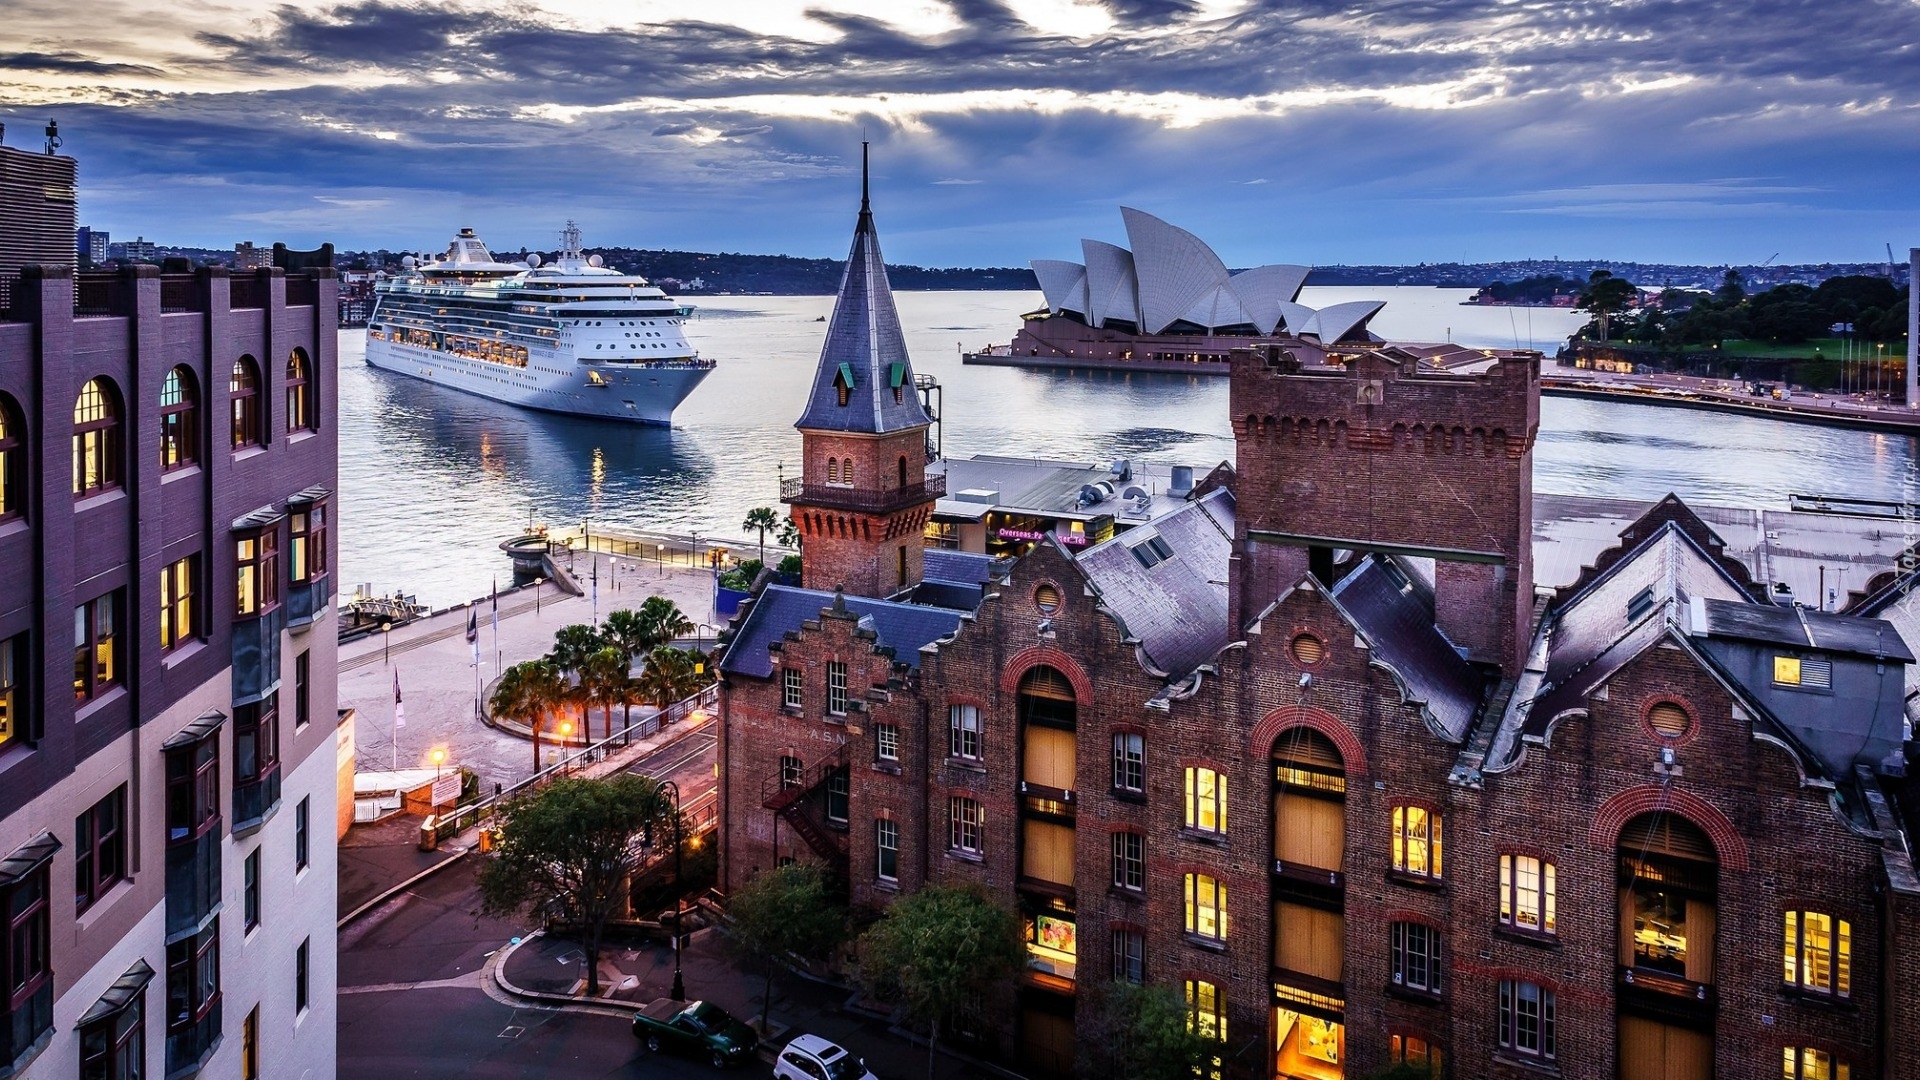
[
  {"x": 675, "y": 129},
  {"x": 68, "y": 63},
  {"x": 743, "y": 132}
]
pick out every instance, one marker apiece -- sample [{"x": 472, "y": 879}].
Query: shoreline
[{"x": 1897, "y": 423}]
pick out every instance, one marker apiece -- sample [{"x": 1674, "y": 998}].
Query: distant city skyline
[{"x": 1003, "y": 130}]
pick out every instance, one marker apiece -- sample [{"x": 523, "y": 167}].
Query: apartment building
[{"x": 167, "y": 698}]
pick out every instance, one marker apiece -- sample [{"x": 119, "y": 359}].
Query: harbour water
[{"x": 432, "y": 479}]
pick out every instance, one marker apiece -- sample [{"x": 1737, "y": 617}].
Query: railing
[
  {"x": 248, "y": 292},
  {"x": 97, "y": 294},
  {"x": 93, "y": 294},
  {"x": 302, "y": 291},
  {"x": 8, "y": 283},
  {"x": 178, "y": 293},
  {"x": 796, "y": 489},
  {"x": 777, "y": 794}
]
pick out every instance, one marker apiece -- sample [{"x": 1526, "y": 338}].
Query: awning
[
  {"x": 196, "y": 731},
  {"x": 896, "y": 375},
  {"x": 310, "y": 496},
  {"x": 121, "y": 994},
  {"x": 257, "y": 519},
  {"x": 27, "y": 858},
  {"x": 845, "y": 376}
]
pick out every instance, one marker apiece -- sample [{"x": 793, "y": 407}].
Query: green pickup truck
[{"x": 695, "y": 1027}]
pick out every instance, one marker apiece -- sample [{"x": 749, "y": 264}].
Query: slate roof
[
  {"x": 1176, "y": 608},
  {"x": 1806, "y": 628},
  {"x": 781, "y": 609},
  {"x": 864, "y": 343},
  {"x": 1394, "y": 611},
  {"x": 963, "y": 567}
]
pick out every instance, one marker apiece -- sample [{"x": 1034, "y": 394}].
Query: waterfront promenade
[
  {"x": 1829, "y": 408},
  {"x": 438, "y": 683}
]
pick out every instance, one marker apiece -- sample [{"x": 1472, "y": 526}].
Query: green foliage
[
  {"x": 789, "y": 534},
  {"x": 740, "y": 578},
  {"x": 1538, "y": 289},
  {"x": 527, "y": 691},
  {"x": 1606, "y": 296},
  {"x": 939, "y": 948},
  {"x": 603, "y": 681},
  {"x": 661, "y": 620},
  {"x": 1143, "y": 1033},
  {"x": 672, "y": 674},
  {"x": 572, "y": 645},
  {"x": 763, "y": 520},
  {"x": 790, "y": 568},
  {"x": 569, "y": 848},
  {"x": 789, "y": 910}
]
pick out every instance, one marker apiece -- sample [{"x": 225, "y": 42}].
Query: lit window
[
  {"x": 887, "y": 741},
  {"x": 1129, "y": 861},
  {"x": 257, "y": 569},
  {"x": 1805, "y": 674},
  {"x": 243, "y": 390},
  {"x": 1416, "y": 957},
  {"x": 1527, "y": 893},
  {"x": 1415, "y": 1050},
  {"x": 1416, "y": 841},
  {"x": 96, "y": 440},
  {"x": 1819, "y": 953},
  {"x": 1527, "y": 1019},
  {"x": 886, "y": 843},
  {"x": 250, "y": 1046},
  {"x": 963, "y": 819},
  {"x": 176, "y": 604},
  {"x": 13, "y": 697},
  {"x": 299, "y": 393},
  {"x": 179, "y": 422},
  {"x": 792, "y": 681},
  {"x": 1130, "y": 762},
  {"x": 836, "y": 687},
  {"x": 1206, "y": 1009},
  {"x": 13, "y": 462},
  {"x": 1206, "y": 800},
  {"x": 96, "y": 652},
  {"x": 1206, "y": 907},
  {"x": 1806, "y": 1063},
  {"x": 308, "y": 551},
  {"x": 963, "y": 722}
]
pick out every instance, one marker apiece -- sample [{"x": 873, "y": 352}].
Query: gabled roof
[
  {"x": 1804, "y": 628},
  {"x": 1177, "y": 606},
  {"x": 780, "y": 610},
  {"x": 864, "y": 340},
  {"x": 966, "y": 567},
  {"x": 1393, "y": 610}
]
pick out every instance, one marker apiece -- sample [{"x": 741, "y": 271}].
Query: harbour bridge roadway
[{"x": 416, "y": 994}]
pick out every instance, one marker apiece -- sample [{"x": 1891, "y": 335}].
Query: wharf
[
  {"x": 1088, "y": 363},
  {"x": 1688, "y": 392}
]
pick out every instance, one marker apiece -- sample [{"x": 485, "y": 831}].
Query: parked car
[
  {"x": 810, "y": 1057},
  {"x": 696, "y": 1027}
]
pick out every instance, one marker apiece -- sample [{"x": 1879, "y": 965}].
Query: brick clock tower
[{"x": 863, "y": 496}]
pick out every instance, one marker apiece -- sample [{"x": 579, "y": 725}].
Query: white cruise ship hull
[{"x": 645, "y": 393}]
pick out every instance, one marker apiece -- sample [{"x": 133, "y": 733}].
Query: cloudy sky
[{"x": 1003, "y": 130}]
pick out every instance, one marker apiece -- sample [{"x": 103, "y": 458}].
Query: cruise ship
[{"x": 571, "y": 336}]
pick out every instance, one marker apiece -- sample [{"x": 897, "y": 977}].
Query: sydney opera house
[{"x": 1170, "y": 304}]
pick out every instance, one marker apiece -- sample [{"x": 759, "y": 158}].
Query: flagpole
[
  {"x": 496, "y": 627},
  {"x": 399, "y": 721}
]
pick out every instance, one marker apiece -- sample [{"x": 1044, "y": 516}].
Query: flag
[
  {"x": 473, "y": 626},
  {"x": 399, "y": 710},
  {"x": 496, "y": 608},
  {"x": 596, "y": 585}
]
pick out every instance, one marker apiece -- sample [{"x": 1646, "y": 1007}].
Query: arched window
[
  {"x": 300, "y": 411},
  {"x": 243, "y": 388},
  {"x": 1669, "y": 899},
  {"x": 96, "y": 439},
  {"x": 179, "y": 420},
  {"x": 1309, "y": 803},
  {"x": 833, "y": 470},
  {"x": 13, "y": 462},
  {"x": 903, "y": 471}
]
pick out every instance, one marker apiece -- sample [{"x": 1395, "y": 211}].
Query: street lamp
[
  {"x": 672, "y": 790},
  {"x": 439, "y": 758},
  {"x": 386, "y": 642}
]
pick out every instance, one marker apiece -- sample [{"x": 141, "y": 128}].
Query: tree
[
  {"x": 672, "y": 674},
  {"x": 790, "y": 568},
  {"x": 937, "y": 949},
  {"x": 624, "y": 631},
  {"x": 603, "y": 677},
  {"x": 763, "y": 519},
  {"x": 572, "y": 846},
  {"x": 527, "y": 692},
  {"x": 789, "y": 535},
  {"x": 1144, "y": 1033},
  {"x": 572, "y": 645},
  {"x": 662, "y": 621},
  {"x": 786, "y": 911},
  {"x": 1605, "y": 296}
]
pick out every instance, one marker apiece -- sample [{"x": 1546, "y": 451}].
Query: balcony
[
  {"x": 1665, "y": 994},
  {"x": 874, "y": 500}
]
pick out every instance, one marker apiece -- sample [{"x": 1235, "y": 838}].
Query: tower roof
[{"x": 865, "y": 354}]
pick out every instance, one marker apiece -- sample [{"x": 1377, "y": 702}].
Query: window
[
  {"x": 250, "y": 890},
  {"x": 1807, "y": 1063},
  {"x": 1206, "y": 907},
  {"x": 96, "y": 647},
  {"x": 1416, "y": 957},
  {"x": 308, "y": 528},
  {"x": 243, "y": 389},
  {"x": 833, "y": 470},
  {"x": 302, "y": 691},
  {"x": 1307, "y": 650},
  {"x": 1129, "y": 956},
  {"x": 1130, "y": 762},
  {"x": 1527, "y": 893},
  {"x": 963, "y": 724},
  {"x": 176, "y": 604},
  {"x": 1526, "y": 1019},
  {"x": 1805, "y": 674},
  {"x": 963, "y": 820},
  {"x": 1206, "y": 800},
  {"x": 836, "y": 687},
  {"x": 13, "y": 689},
  {"x": 1152, "y": 551},
  {"x": 257, "y": 561},
  {"x": 302, "y": 972},
  {"x": 790, "y": 771},
  {"x": 299, "y": 393},
  {"x": 193, "y": 790},
  {"x": 1206, "y": 1009},
  {"x": 837, "y": 792},
  {"x": 96, "y": 440},
  {"x": 1416, "y": 1050},
  {"x": 256, "y": 739},
  {"x": 26, "y": 1007},
  {"x": 100, "y": 848},
  {"x": 179, "y": 421},
  {"x": 302, "y": 845},
  {"x": 886, "y": 739},
  {"x": 13, "y": 462},
  {"x": 1046, "y": 597},
  {"x": 1819, "y": 953},
  {"x": 250, "y": 1046},
  {"x": 193, "y": 978},
  {"x": 792, "y": 680},
  {"x": 1416, "y": 842},
  {"x": 1129, "y": 861},
  {"x": 114, "y": 1047},
  {"x": 886, "y": 849}
]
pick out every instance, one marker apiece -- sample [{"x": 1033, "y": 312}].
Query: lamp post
[
  {"x": 672, "y": 790},
  {"x": 386, "y": 642},
  {"x": 439, "y": 758},
  {"x": 566, "y": 740}
]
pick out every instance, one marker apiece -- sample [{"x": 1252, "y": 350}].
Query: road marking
[
  {"x": 513, "y": 1031},
  {"x": 469, "y": 981}
]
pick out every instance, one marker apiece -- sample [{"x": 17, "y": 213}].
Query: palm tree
[
  {"x": 789, "y": 535},
  {"x": 662, "y": 621},
  {"x": 624, "y": 631},
  {"x": 763, "y": 519},
  {"x": 572, "y": 645},
  {"x": 603, "y": 675},
  {"x": 526, "y": 692},
  {"x": 672, "y": 674}
]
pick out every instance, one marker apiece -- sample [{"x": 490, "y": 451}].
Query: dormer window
[
  {"x": 1152, "y": 552},
  {"x": 1641, "y": 603},
  {"x": 843, "y": 382},
  {"x": 1802, "y": 674}
]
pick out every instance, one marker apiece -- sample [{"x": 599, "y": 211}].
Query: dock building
[
  {"x": 168, "y": 780},
  {"x": 1354, "y": 748}
]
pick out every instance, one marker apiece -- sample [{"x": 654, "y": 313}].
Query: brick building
[
  {"x": 167, "y": 658},
  {"x": 1317, "y": 750}
]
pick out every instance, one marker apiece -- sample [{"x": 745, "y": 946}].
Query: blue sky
[{"x": 1312, "y": 132}]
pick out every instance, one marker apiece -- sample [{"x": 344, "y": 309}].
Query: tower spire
[{"x": 865, "y": 207}]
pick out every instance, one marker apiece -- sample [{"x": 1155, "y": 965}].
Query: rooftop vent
[{"x": 1182, "y": 485}]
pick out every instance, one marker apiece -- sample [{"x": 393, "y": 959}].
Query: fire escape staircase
[{"x": 798, "y": 806}]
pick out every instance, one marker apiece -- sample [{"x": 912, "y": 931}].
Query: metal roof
[
  {"x": 780, "y": 610},
  {"x": 1803, "y": 628},
  {"x": 1393, "y": 609},
  {"x": 1177, "y": 607}
]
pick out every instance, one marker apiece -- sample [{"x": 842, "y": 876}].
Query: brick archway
[
  {"x": 1648, "y": 798},
  {"x": 1292, "y": 716},
  {"x": 1045, "y": 655}
]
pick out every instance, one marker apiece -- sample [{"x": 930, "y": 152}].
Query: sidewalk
[{"x": 641, "y": 972}]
